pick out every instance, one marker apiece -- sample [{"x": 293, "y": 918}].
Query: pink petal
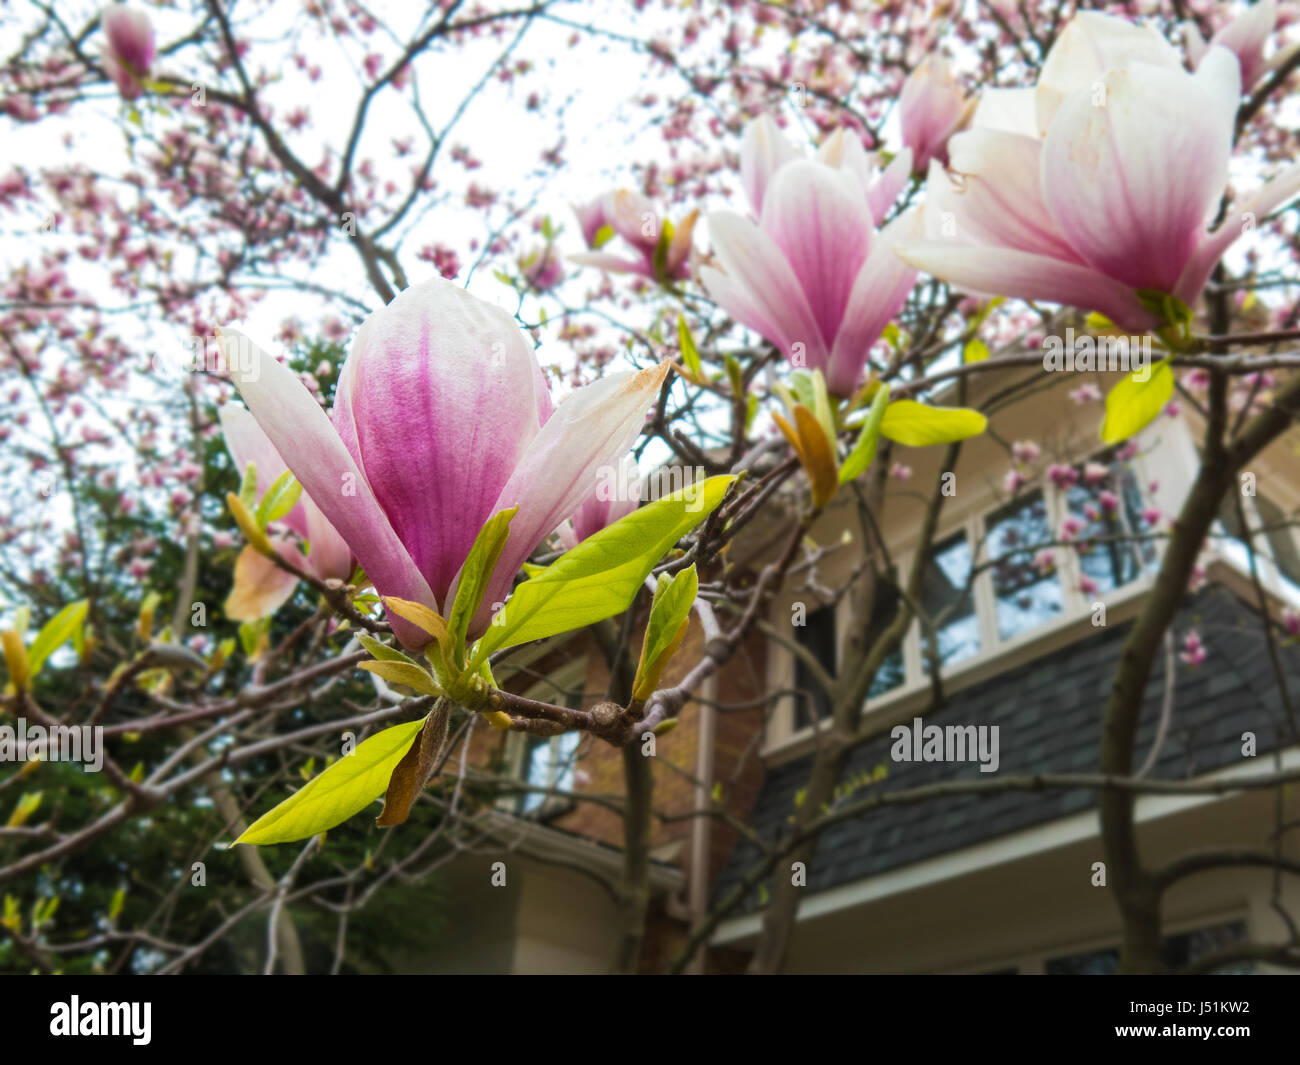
[
  {"x": 1000, "y": 200},
  {"x": 592, "y": 429},
  {"x": 438, "y": 399},
  {"x": 763, "y": 151},
  {"x": 329, "y": 556},
  {"x": 1243, "y": 216},
  {"x": 818, "y": 218},
  {"x": 620, "y": 264},
  {"x": 757, "y": 287},
  {"x": 1090, "y": 46},
  {"x": 301, "y": 431},
  {"x": 1008, "y": 110},
  {"x": 1132, "y": 184},
  {"x": 986, "y": 271},
  {"x": 879, "y": 292}
]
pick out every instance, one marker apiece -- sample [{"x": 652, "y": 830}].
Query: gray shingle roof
[{"x": 1049, "y": 712}]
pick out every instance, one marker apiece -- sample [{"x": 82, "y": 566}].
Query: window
[
  {"x": 947, "y": 601},
  {"x": 1026, "y": 595},
  {"x": 892, "y": 671},
  {"x": 1280, "y": 531},
  {"x": 548, "y": 762},
  {"x": 817, "y": 634},
  {"x": 1274, "y": 536},
  {"x": 1107, "y": 500}
]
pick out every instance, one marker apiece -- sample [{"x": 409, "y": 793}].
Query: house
[{"x": 960, "y": 884}]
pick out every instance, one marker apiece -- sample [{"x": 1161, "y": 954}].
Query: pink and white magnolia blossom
[
  {"x": 931, "y": 108},
  {"x": 1245, "y": 37},
  {"x": 442, "y": 418},
  {"x": 653, "y": 248},
  {"x": 129, "y": 51},
  {"x": 1099, "y": 182},
  {"x": 262, "y": 587},
  {"x": 813, "y": 275}
]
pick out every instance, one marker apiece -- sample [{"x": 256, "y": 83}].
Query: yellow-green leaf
[
  {"x": 1133, "y": 404},
  {"x": 600, "y": 576},
  {"x": 58, "y": 629},
  {"x": 669, "y": 616},
  {"x": 690, "y": 355},
  {"x": 864, "y": 450},
  {"x": 23, "y": 809},
  {"x": 345, "y": 788},
  {"x": 407, "y": 673},
  {"x": 475, "y": 573},
  {"x": 916, "y": 425}
]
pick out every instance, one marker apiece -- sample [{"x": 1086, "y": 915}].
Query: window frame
[{"x": 1075, "y": 605}]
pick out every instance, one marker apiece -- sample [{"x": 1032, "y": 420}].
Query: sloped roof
[{"x": 1049, "y": 711}]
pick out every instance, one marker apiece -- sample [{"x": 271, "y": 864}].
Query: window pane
[
  {"x": 537, "y": 771},
  {"x": 549, "y": 762},
  {"x": 946, "y": 599},
  {"x": 892, "y": 672},
  {"x": 1282, "y": 539},
  {"x": 1106, "y": 501},
  {"x": 1026, "y": 595},
  {"x": 817, "y": 633}
]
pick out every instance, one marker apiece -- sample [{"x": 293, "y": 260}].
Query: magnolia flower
[
  {"x": 542, "y": 268},
  {"x": 1025, "y": 451},
  {"x": 1193, "y": 652},
  {"x": 261, "y": 587},
  {"x": 932, "y": 107},
  {"x": 442, "y": 418},
  {"x": 1245, "y": 36},
  {"x": 654, "y": 248},
  {"x": 129, "y": 52},
  {"x": 813, "y": 275},
  {"x": 1099, "y": 182},
  {"x": 1062, "y": 476}
]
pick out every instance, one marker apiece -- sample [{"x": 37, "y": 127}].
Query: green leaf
[
  {"x": 24, "y": 808},
  {"x": 1169, "y": 307},
  {"x": 383, "y": 652},
  {"x": 63, "y": 625},
  {"x": 916, "y": 425},
  {"x": 407, "y": 673},
  {"x": 345, "y": 788},
  {"x": 600, "y": 576},
  {"x": 669, "y": 614},
  {"x": 603, "y": 236},
  {"x": 476, "y": 572},
  {"x": 690, "y": 354},
  {"x": 864, "y": 451},
  {"x": 1134, "y": 404},
  {"x": 280, "y": 498},
  {"x": 975, "y": 351},
  {"x": 735, "y": 376}
]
